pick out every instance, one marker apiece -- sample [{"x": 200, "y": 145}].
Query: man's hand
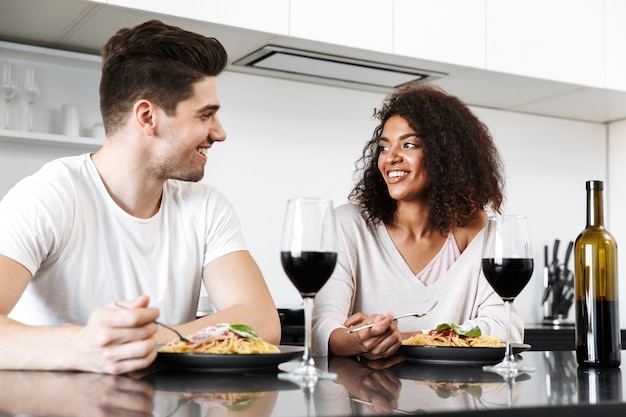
[{"x": 118, "y": 340}]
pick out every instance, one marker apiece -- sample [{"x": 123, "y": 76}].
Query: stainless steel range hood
[{"x": 330, "y": 69}]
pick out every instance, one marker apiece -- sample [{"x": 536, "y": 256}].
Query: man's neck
[{"x": 127, "y": 183}]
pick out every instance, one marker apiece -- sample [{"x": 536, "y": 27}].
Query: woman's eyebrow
[{"x": 402, "y": 137}]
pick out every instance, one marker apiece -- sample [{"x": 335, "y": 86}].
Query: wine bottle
[
  {"x": 598, "y": 341},
  {"x": 597, "y": 386}
]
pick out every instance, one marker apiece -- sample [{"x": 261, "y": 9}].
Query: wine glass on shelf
[
  {"x": 507, "y": 263},
  {"x": 9, "y": 89},
  {"x": 31, "y": 90},
  {"x": 308, "y": 255}
]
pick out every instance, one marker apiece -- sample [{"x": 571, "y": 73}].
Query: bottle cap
[{"x": 595, "y": 185}]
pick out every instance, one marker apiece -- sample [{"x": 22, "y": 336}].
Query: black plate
[
  {"x": 229, "y": 363},
  {"x": 416, "y": 371},
  {"x": 449, "y": 355},
  {"x": 197, "y": 382}
]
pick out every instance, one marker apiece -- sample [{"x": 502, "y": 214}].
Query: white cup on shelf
[
  {"x": 70, "y": 120},
  {"x": 98, "y": 131}
]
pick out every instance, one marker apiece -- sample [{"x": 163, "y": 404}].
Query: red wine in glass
[
  {"x": 507, "y": 264},
  {"x": 508, "y": 276},
  {"x": 308, "y": 255},
  {"x": 309, "y": 271}
]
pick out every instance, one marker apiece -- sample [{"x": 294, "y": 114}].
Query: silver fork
[
  {"x": 367, "y": 326},
  {"x": 180, "y": 336}
]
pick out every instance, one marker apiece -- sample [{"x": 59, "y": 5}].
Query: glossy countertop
[{"x": 557, "y": 387}]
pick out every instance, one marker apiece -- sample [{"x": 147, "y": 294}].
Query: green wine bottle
[{"x": 598, "y": 341}]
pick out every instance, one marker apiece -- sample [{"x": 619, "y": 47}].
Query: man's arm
[
  {"x": 239, "y": 293},
  {"x": 114, "y": 341}
]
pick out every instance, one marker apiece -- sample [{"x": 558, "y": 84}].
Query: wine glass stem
[
  {"x": 307, "y": 357},
  {"x": 508, "y": 355},
  {"x": 510, "y": 381},
  {"x": 30, "y": 116},
  {"x": 6, "y": 116}
]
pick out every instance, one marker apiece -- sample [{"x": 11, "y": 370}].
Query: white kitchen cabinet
[
  {"x": 581, "y": 42},
  {"x": 267, "y": 16},
  {"x": 561, "y": 40},
  {"x": 451, "y": 31},
  {"x": 366, "y": 24},
  {"x": 63, "y": 78},
  {"x": 616, "y": 44}
]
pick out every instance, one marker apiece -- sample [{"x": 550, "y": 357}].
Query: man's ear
[{"x": 145, "y": 116}]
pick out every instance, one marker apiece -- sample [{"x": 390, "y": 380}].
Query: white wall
[
  {"x": 287, "y": 138},
  {"x": 616, "y": 196},
  {"x": 547, "y": 163}
]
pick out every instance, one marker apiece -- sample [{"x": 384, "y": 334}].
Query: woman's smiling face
[{"x": 400, "y": 160}]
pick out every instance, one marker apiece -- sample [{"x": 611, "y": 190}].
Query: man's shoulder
[
  {"x": 56, "y": 174},
  {"x": 69, "y": 167}
]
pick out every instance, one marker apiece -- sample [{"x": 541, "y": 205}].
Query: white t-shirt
[
  {"x": 372, "y": 277},
  {"x": 84, "y": 251}
]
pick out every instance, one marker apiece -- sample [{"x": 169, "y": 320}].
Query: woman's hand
[
  {"x": 369, "y": 381},
  {"x": 382, "y": 340}
]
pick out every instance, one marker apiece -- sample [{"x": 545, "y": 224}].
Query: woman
[{"x": 414, "y": 232}]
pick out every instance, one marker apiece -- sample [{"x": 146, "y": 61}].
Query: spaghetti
[
  {"x": 223, "y": 339},
  {"x": 233, "y": 401},
  {"x": 453, "y": 335}
]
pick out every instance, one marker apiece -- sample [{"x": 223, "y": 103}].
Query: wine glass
[
  {"x": 31, "y": 90},
  {"x": 507, "y": 263},
  {"x": 308, "y": 255},
  {"x": 9, "y": 89}
]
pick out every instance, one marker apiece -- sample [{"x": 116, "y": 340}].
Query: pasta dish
[
  {"x": 222, "y": 339},
  {"x": 232, "y": 401},
  {"x": 453, "y": 335}
]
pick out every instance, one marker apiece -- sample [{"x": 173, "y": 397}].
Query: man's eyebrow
[{"x": 209, "y": 107}]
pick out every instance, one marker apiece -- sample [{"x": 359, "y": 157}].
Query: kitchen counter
[
  {"x": 545, "y": 337},
  {"x": 556, "y": 388},
  {"x": 538, "y": 336}
]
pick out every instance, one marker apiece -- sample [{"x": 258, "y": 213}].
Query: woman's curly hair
[{"x": 462, "y": 163}]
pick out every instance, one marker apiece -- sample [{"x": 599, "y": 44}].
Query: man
[{"x": 129, "y": 225}]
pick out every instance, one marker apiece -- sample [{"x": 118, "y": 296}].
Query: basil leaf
[
  {"x": 242, "y": 405},
  {"x": 443, "y": 326},
  {"x": 475, "y": 391},
  {"x": 473, "y": 332},
  {"x": 244, "y": 331}
]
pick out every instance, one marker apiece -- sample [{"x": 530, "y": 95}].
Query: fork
[
  {"x": 367, "y": 326},
  {"x": 180, "y": 336}
]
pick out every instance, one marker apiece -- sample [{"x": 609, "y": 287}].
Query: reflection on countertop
[{"x": 386, "y": 387}]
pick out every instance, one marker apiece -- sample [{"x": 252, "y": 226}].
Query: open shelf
[{"x": 38, "y": 138}]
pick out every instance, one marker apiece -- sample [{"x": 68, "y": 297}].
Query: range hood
[{"x": 330, "y": 69}]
